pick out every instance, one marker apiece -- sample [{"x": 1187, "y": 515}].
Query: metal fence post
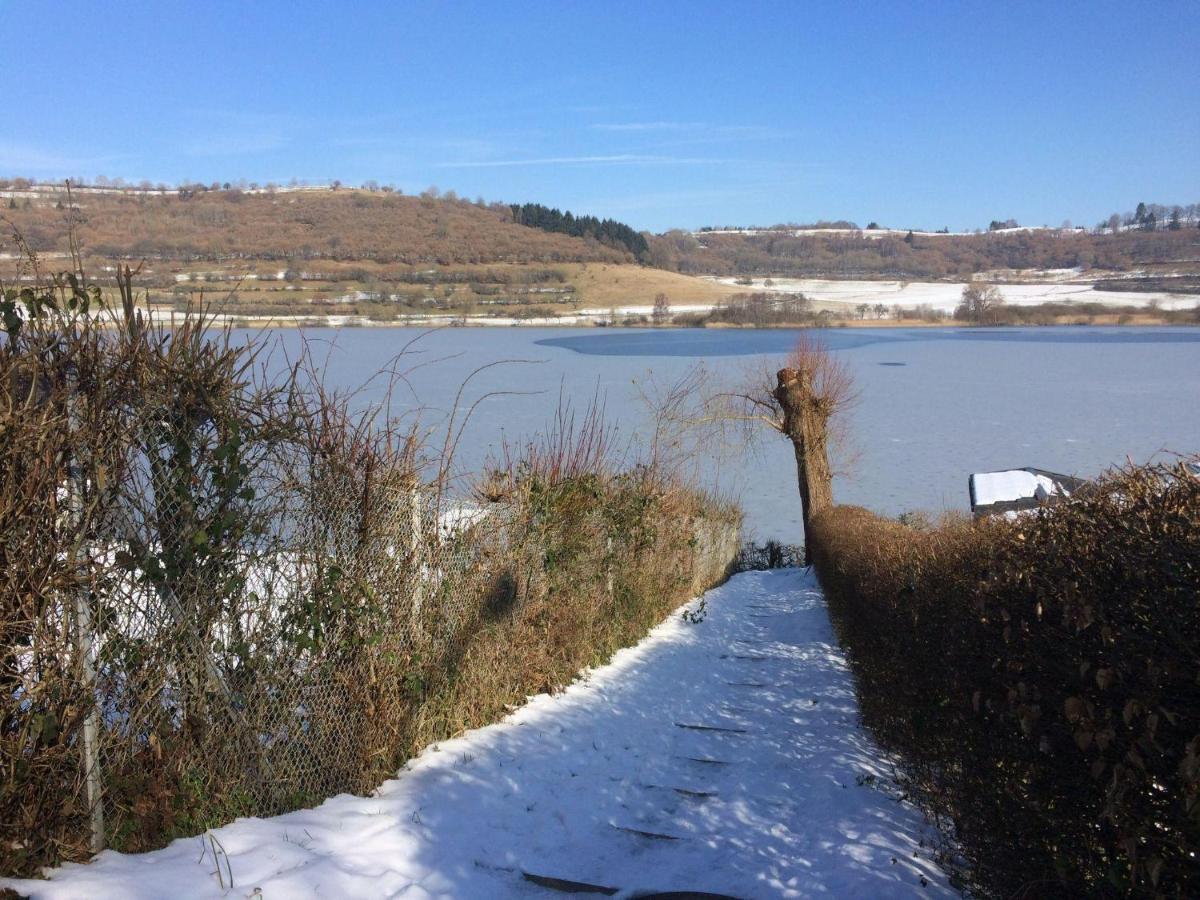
[
  {"x": 86, "y": 651},
  {"x": 418, "y": 596},
  {"x": 608, "y": 566}
]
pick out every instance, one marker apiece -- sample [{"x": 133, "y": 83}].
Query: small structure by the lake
[{"x": 1011, "y": 491}]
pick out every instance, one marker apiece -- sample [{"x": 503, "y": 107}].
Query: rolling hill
[{"x": 302, "y": 225}]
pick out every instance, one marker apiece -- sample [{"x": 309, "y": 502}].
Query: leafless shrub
[{"x": 255, "y": 593}]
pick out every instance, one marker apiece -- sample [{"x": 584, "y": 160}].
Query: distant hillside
[
  {"x": 313, "y": 224},
  {"x": 848, "y": 252},
  {"x": 318, "y": 251}
]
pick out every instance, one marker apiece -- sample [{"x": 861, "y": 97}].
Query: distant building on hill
[{"x": 1012, "y": 491}]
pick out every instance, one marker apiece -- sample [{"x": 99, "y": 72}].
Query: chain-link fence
[
  {"x": 270, "y": 681},
  {"x": 222, "y": 599}
]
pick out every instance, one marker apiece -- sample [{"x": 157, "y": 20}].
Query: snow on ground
[
  {"x": 1055, "y": 285},
  {"x": 724, "y": 756},
  {"x": 946, "y": 295},
  {"x": 643, "y": 310},
  {"x": 870, "y": 233},
  {"x": 459, "y": 516}
]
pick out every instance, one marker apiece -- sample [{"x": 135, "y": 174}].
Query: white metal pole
[{"x": 86, "y": 650}]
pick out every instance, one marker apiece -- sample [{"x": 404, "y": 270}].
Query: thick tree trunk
[{"x": 806, "y": 423}]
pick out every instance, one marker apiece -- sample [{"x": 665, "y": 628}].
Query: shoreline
[{"x": 1064, "y": 320}]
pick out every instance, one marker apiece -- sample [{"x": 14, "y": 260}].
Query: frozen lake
[{"x": 935, "y": 404}]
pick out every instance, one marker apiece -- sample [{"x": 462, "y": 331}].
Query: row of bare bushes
[
  {"x": 1040, "y": 679},
  {"x": 236, "y": 595}
]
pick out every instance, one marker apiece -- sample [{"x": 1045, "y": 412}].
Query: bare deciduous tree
[
  {"x": 981, "y": 303},
  {"x": 662, "y": 309}
]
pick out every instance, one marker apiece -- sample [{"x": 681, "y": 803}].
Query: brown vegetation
[
  {"x": 855, "y": 254},
  {"x": 981, "y": 304},
  {"x": 1038, "y": 678},
  {"x": 764, "y": 309},
  {"x": 387, "y": 257},
  {"x": 1171, "y": 284},
  {"x": 222, "y": 596},
  {"x": 379, "y": 255},
  {"x": 333, "y": 225}
]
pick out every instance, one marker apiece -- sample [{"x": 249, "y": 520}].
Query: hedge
[{"x": 1040, "y": 679}]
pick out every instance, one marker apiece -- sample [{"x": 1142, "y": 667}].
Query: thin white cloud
[
  {"x": 649, "y": 126},
  {"x": 690, "y": 132},
  {"x": 617, "y": 159}
]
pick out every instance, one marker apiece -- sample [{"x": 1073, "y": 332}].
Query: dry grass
[
  {"x": 632, "y": 554},
  {"x": 606, "y": 285},
  {"x": 342, "y": 225},
  {"x": 327, "y": 287}
]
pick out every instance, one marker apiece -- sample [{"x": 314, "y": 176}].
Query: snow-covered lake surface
[
  {"x": 724, "y": 756},
  {"x": 936, "y": 404}
]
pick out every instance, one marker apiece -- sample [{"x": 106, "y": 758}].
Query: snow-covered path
[{"x": 723, "y": 756}]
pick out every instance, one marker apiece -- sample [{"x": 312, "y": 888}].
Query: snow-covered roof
[
  {"x": 1011, "y": 489},
  {"x": 1014, "y": 484}
]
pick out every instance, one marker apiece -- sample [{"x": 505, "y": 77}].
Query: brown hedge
[{"x": 1040, "y": 678}]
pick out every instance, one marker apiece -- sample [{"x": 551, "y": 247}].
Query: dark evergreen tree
[{"x": 607, "y": 231}]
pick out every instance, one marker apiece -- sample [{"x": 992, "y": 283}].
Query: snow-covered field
[
  {"x": 869, "y": 233},
  {"x": 1045, "y": 286},
  {"x": 724, "y": 756},
  {"x": 946, "y": 295},
  {"x": 1059, "y": 286}
]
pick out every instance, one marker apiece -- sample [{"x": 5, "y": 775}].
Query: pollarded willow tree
[
  {"x": 802, "y": 402},
  {"x": 809, "y": 391}
]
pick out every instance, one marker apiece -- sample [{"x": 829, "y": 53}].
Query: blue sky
[{"x": 660, "y": 114}]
